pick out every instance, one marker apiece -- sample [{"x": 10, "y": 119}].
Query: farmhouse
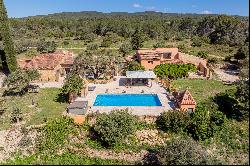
[
  {"x": 51, "y": 66},
  {"x": 150, "y": 58}
]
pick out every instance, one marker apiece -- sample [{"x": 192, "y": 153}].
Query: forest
[{"x": 113, "y": 27}]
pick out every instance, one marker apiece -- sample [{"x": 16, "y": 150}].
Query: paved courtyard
[{"x": 117, "y": 87}]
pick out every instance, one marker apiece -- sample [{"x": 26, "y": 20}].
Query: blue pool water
[{"x": 127, "y": 100}]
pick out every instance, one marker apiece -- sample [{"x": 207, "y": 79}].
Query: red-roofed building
[
  {"x": 51, "y": 66},
  {"x": 185, "y": 101},
  {"x": 150, "y": 58}
]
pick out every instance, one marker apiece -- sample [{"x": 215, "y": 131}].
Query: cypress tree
[{"x": 8, "y": 55}]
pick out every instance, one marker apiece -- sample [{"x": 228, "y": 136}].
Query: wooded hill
[{"x": 220, "y": 29}]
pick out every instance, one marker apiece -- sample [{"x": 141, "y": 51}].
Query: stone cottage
[{"x": 51, "y": 66}]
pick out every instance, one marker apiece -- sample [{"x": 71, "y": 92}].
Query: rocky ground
[
  {"x": 17, "y": 139},
  {"x": 228, "y": 76}
]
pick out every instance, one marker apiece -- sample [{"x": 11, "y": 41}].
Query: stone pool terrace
[{"x": 117, "y": 87}]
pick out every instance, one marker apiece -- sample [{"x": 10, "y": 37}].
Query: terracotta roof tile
[
  {"x": 47, "y": 61},
  {"x": 153, "y": 53},
  {"x": 185, "y": 98}
]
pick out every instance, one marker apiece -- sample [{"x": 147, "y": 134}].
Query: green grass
[
  {"x": 47, "y": 107},
  {"x": 67, "y": 158},
  {"x": 201, "y": 89}
]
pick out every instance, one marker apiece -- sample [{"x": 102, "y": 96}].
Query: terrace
[{"x": 119, "y": 86}]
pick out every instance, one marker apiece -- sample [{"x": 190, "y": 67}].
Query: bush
[
  {"x": 115, "y": 127},
  {"x": 133, "y": 66},
  {"x": 196, "y": 41},
  {"x": 16, "y": 115},
  {"x": 206, "y": 123},
  {"x": 65, "y": 42},
  {"x": 202, "y": 54},
  {"x": 182, "y": 151},
  {"x": 55, "y": 133},
  {"x": 92, "y": 46},
  {"x": 174, "y": 71},
  {"x": 227, "y": 104},
  {"x": 182, "y": 48},
  {"x": 174, "y": 121},
  {"x": 159, "y": 44},
  {"x": 200, "y": 128},
  {"x": 212, "y": 60}
]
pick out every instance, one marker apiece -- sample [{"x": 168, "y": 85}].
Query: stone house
[
  {"x": 150, "y": 58},
  {"x": 51, "y": 66},
  {"x": 185, "y": 101}
]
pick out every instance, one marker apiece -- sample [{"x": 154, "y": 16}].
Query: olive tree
[{"x": 18, "y": 81}]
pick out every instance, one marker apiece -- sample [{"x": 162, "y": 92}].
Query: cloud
[
  {"x": 206, "y": 12},
  {"x": 136, "y": 5}
]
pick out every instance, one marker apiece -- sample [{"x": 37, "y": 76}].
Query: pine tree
[{"x": 8, "y": 57}]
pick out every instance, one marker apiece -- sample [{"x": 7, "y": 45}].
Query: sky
[{"x": 23, "y": 8}]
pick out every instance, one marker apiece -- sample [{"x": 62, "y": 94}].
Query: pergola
[{"x": 140, "y": 77}]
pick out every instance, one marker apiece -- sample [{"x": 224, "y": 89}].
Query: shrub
[
  {"x": 115, "y": 127},
  {"x": 196, "y": 41},
  {"x": 182, "y": 48},
  {"x": 92, "y": 46},
  {"x": 202, "y": 54},
  {"x": 174, "y": 71},
  {"x": 200, "y": 128},
  {"x": 227, "y": 104},
  {"x": 206, "y": 123},
  {"x": 174, "y": 121},
  {"x": 54, "y": 134},
  {"x": 65, "y": 42},
  {"x": 212, "y": 60},
  {"x": 159, "y": 44},
  {"x": 133, "y": 66},
  {"x": 182, "y": 151},
  {"x": 16, "y": 115}
]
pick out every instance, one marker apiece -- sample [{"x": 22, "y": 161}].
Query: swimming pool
[{"x": 127, "y": 100}]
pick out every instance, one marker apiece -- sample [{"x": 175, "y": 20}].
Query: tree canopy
[{"x": 19, "y": 80}]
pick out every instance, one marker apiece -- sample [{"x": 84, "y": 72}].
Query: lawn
[
  {"x": 201, "y": 89},
  {"x": 47, "y": 107}
]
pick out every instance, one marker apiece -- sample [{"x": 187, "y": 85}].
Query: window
[
  {"x": 151, "y": 62},
  {"x": 190, "y": 110},
  {"x": 167, "y": 55}
]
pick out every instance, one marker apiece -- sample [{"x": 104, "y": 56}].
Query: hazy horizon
[{"x": 25, "y": 8}]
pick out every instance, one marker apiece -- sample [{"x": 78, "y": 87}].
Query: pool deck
[{"x": 115, "y": 87}]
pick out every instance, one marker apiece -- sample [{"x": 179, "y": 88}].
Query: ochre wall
[
  {"x": 50, "y": 75},
  {"x": 149, "y": 66},
  {"x": 185, "y": 107}
]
